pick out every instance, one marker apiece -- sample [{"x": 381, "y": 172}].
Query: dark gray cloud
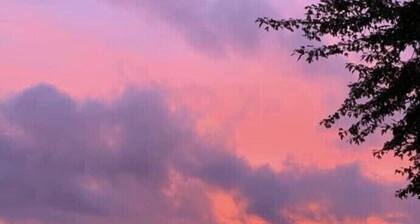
[{"x": 131, "y": 160}]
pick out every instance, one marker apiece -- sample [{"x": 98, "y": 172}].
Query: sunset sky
[{"x": 179, "y": 112}]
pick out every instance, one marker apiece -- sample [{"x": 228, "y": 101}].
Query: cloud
[
  {"x": 61, "y": 160},
  {"x": 219, "y": 26},
  {"x": 209, "y": 25},
  {"x": 136, "y": 160},
  {"x": 344, "y": 192}
]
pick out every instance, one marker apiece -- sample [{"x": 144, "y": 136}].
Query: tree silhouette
[{"x": 385, "y": 34}]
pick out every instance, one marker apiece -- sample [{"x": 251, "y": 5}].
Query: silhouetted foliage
[{"x": 385, "y": 34}]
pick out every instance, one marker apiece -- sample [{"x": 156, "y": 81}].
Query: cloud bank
[{"x": 138, "y": 160}]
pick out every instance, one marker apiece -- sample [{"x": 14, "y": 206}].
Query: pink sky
[{"x": 238, "y": 87}]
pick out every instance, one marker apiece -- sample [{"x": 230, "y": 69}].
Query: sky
[{"x": 181, "y": 112}]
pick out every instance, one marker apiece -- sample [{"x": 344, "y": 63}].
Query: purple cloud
[
  {"x": 212, "y": 26},
  {"x": 64, "y": 161}
]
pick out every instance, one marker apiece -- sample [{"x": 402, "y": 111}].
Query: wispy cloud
[{"x": 210, "y": 25}]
